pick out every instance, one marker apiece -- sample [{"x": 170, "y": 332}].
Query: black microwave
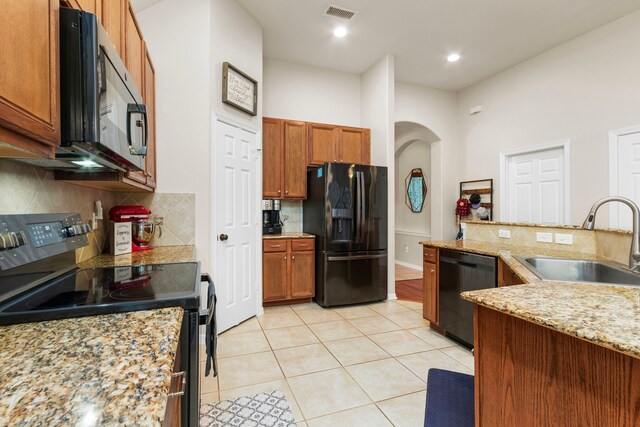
[{"x": 102, "y": 112}]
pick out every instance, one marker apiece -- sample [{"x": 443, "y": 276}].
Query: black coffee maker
[{"x": 271, "y": 223}]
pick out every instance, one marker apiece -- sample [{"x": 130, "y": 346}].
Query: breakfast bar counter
[
  {"x": 606, "y": 315},
  {"x": 552, "y": 353},
  {"x": 101, "y": 370}
]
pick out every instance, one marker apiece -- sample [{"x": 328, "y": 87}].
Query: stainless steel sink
[{"x": 574, "y": 270}]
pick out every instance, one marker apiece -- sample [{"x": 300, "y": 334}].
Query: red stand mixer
[{"x": 143, "y": 230}]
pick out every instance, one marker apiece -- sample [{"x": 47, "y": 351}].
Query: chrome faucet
[{"x": 634, "y": 255}]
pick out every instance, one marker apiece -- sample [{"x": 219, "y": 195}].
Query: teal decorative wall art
[{"x": 416, "y": 190}]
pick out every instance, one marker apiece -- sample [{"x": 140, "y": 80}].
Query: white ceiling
[{"x": 491, "y": 35}]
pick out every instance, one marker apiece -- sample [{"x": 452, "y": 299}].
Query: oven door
[{"x": 123, "y": 122}]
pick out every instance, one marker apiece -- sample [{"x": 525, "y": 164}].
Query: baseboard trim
[
  {"x": 392, "y": 296},
  {"x": 409, "y": 265}
]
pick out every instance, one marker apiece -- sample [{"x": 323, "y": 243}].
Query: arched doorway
[{"x": 413, "y": 149}]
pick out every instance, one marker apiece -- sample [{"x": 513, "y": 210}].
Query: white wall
[
  {"x": 177, "y": 36},
  {"x": 378, "y": 104},
  {"x": 188, "y": 40},
  {"x": 411, "y": 227},
  {"x": 579, "y": 90},
  {"x": 436, "y": 110},
  {"x": 302, "y": 92},
  {"x": 236, "y": 37}
]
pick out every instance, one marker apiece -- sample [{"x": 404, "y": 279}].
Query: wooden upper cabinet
[
  {"x": 149, "y": 93},
  {"x": 134, "y": 47},
  {"x": 295, "y": 160},
  {"x": 322, "y": 144},
  {"x": 113, "y": 19},
  {"x": 29, "y": 78},
  {"x": 91, "y": 6},
  {"x": 354, "y": 145},
  {"x": 272, "y": 158}
]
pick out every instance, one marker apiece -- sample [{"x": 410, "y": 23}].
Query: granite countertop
[
  {"x": 110, "y": 369},
  {"x": 527, "y": 224},
  {"x": 290, "y": 235},
  {"x": 606, "y": 315},
  {"x": 157, "y": 255}
]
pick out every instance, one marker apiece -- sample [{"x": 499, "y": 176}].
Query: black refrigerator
[{"x": 346, "y": 208}]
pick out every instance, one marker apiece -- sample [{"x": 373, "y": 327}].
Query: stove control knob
[
  {"x": 12, "y": 240},
  {"x": 76, "y": 230}
]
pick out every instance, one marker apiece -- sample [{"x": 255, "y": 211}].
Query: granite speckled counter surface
[
  {"x": 158, "y": 255},
  {"x": 606, "y": 315},
  {"x": 290, "y": 235},
  {"x": 102, "y": 370}
]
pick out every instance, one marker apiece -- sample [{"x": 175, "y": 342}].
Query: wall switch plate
[
  {"x": 544, "y": 237},
  {"x": 564, "y": 239},
  {"x": 505, "y": 234}
]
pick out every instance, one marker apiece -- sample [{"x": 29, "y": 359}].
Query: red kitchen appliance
[{"x": 143, "y": 230}]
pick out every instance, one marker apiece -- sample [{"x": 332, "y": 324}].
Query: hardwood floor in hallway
[{"x": 408, "y": 284}]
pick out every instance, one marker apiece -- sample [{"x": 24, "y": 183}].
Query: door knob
[{"x": 223, "y": 237}]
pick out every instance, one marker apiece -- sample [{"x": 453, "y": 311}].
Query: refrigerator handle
[
  {"x": 361, "y": 211},
  {"x": 357, "y": 215}
]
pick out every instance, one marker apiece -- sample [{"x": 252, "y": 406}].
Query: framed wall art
[{"x": 239, "y": 90}]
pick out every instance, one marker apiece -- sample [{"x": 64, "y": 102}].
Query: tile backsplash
[
  {"x": 27, "y": 189},
  {"x": 292, "y": 211},
  {"x": 178, "y": 211}
]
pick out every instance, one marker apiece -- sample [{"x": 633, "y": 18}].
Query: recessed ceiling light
[
  {"x": 340, "y": 31},
  {"x": 454, "y": 57}
]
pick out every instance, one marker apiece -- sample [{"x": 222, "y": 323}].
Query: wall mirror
[{"x": 416, "y": 190}]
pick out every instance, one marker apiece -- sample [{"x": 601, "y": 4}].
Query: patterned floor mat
[{"x": 261, "y": 410}]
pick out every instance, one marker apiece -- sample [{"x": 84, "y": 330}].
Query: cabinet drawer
[
  {"x": 430, "y": 255},
  {"x": 274, "y": 245},
  {"x": 302, "y": 245}
]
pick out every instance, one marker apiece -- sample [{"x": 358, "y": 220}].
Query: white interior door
[
  {"x": 627, "y": 168},
  {"x": 536, "y": 187},
  {"x": 235, "y": 218}
]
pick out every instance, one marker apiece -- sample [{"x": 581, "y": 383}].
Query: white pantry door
[
  {"x": 536, "y": 188},
  {"x": 628, "y": 171},
  {"x": 235, "y": 217}
]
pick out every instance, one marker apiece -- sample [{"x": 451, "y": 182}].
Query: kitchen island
[
  {"x": 553, "y": 353},
  {"x": 110, "y": 369}
]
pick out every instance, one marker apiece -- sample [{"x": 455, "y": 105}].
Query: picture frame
[{"x": 239, "y": 90}]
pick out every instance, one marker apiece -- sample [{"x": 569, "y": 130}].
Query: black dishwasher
[{"x": 460, "y": 272}]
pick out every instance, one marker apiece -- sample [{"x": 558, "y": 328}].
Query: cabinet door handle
[
  {"x": 184, "y": 383},
  {"x": 279, "y": 191},
  {"x": 285, "y": 258},
  {"x": 286, "y": 192},
  {"x": 293, "y": 258},
  {"x": 275, "y": 246},
  {"x": 432, "y": 271}
]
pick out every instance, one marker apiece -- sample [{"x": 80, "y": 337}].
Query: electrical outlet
[
  {"x": 564, "y": 239},
  {"x": 406, "y": 249},
  {"x": 505, "y": 234},
  {"x": 544, "y": 237}
]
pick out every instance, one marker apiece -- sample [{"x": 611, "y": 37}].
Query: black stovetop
[{"x": 85, "y": 292}]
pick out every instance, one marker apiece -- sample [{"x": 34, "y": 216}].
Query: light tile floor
[{"x": 362, "y": 365}]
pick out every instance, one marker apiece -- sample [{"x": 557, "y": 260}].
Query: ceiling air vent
[{"x": 339, "y": 12}]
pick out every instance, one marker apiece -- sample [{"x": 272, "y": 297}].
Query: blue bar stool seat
[{"x": 450, "y": 399}]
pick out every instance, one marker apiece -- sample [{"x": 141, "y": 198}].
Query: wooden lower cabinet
[
  {"x": 506, "y": 276},
  {"x": 302, "y": 273},
  {"x": 288, "y": 270},
  {"x": 530, "y": 375},
  {"x": 430, "y": 285},
  {"x": 173, "y": 412},
  {"x": 274, "y": 274}
]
